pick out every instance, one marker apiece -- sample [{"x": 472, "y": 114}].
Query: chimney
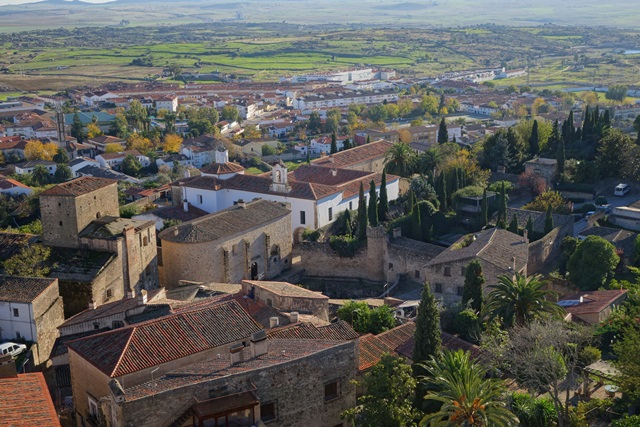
[
  {"x": 185, "y": 205},
  {"x": 129, "y": 294},
  {"x": 513, "y": 261},
  {"x": 581, "y": 299},
  {"x": 397, "y": 232},
  {"x": 187, "y": 173},
  {"x": 323, "y": 154},
  {"x": 331, "y": 158},
  {"x": 526, "y": 235},
  {"x": 175, "y": 231},
  {"x": 142, "y": 298},
  {"x": 294, "y": 317},
  {"x": 237, "y": 355},
  {"x": 8, "y": 367},
  {"x": 334, "y": 172},
  {"x": 273, "y": 322},
  {"x": 258, "y": 343},
  {"x": 92, "y": 305},
  {"x": 241, "y": 203}
]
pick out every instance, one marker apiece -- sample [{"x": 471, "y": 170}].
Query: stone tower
[{"x": 279, "y": 183}]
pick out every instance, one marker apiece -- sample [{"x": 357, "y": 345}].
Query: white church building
[{"x": 316, "y": 194}]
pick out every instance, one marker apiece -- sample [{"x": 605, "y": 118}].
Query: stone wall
[
  {"x": 86, "y": 381},
  {"x": 544, "y": 252},
  {"x": 229, "y": 261},
  {"x": 63, "y": 217},
  {"x": 295, "y": 386},
  {"x": 319, "y": 260},
  {"x": 48, "y": 313}
]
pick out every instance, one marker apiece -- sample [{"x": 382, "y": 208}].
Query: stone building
[
  {"x": 246, "y": 241},
  {"x": 31, "y": 309},
  {"x": 546, "y": 168},
  {"x": 210, "y": 364},
  {"x": 100, "y": 257},
  {"x": 499, "y": 252}
]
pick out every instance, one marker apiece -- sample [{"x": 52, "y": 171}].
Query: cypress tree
[
  {"x": 368, "y": 139},
  {"x": 373, "y": 204},
  {"x": 502, "y": 208},
  {"x": 308, "y": 157},
  {"x": 587, "y": 124},
  {"x": 383, "y": 204},
  {"x": 77, "y": 128},
  {"x": 484, "y": 209},
  {"x": 548, "y": 221},
  {"x": 443, "y": 134},
  {"x": 606, "y": 119},
  {"x": 348, "y": 230},
  {"x": 534, "y": 140},
  {"x": 513, "y": 225},
  {"x": 362, "y": 215},
  {"x": 416, "y": 221},
  {"x": 334, "y": 143},
  {"x": 346, "y": 144},
  {"x": 428, "y": 336},
  {"x": 454, "y": 139},
  {"x": 570, "y": 129},
  {"x": 408, "y": 206},
  {"x": 560, "y": 156},
  {"x": 441, "y": 190},
  {"x": 473, "y": 282},
  {"x": 530, "y": 228}
]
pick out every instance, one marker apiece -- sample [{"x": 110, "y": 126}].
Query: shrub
[
  {"x": 587, "y": 207},
  {"x": 633, "y": 421},
  {"x": 496, "y": 187},
  {"x": 589, "y": 355},
  {"x": 600, "y": 200},
  {"x": 311, "y": 235},
  {"x": 128, "y": 211},
  {"x": 344, "y": 246},
  {"x": 467, "y": 324},
  {"x": 533, "y": 412}
]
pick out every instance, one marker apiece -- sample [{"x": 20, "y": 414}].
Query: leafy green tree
[
  {"x": 268, "y": 150},
  {"x": 387, "y": 401},
  {"x": 533, "y": 412},
  {"x": 357, "y": 314},
  {"x": 373, "y": 204},
  {"x": 131, "y": 165},
  {"x": 381, "y": 319},
  {"x": 399, "y": 160},
  {"x": 627, "y": 421},
  {"x": 614, "y": 154},
  {"x": 63, "y": 173},
  {"x": 473, "y": 285},
  {"x": 77, "y": 128},
  {"x": 61, "y": 156},
  {"x": 428, "y": 335},
  {"x": 383, "y": 205},
  {"x": 119, "y": 126},
  {"x": 230, "y": 113},
  {"x": 443, "y": 133},
  {"x": 30, "y": 261},
  {"x": 315, "y": 123},
  {"x": 593, "y": 263},
  {"x": 40, "y": 176},
  {"x": 617, "y": 92},
  {"x": 137, "y": 116},
  {"x": 549, "y": 198},
  {"x": 519, "y": 300},
  {"x": 199, "y": 127},
  {"x": 534, "y": 140},
  {"x": 468, "y": 398},
  {"x": 362, "y": 215}
]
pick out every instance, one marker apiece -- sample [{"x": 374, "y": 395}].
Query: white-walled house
[
  {"x": 28, "y": 167},
  {"x": 316, "y": 194},
  {"x": 114, "y": 160},
  {"x": 11, "y": 187},
  {"x": 199, "y": 155}
]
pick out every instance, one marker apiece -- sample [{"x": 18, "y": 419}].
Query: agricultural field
[{"x": 55, "y": 59}]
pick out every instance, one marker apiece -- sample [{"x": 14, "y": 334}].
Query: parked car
[{"x": 12, "y": 348}]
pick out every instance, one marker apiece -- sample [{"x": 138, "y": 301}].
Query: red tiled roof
[
  {"x": 593, "y": 301},
  {"x": 340, "y": 331},
  {"x": 23, "y": 289},
  {"x": 5, "y": 184},
  {"x": 79, "y": 186},
  {"x": 110, "y": 156},
  {"x": 131, "y": 349},
  {"x": 222, "y": 168},
  {"x": 355, "y": 155},
  {"x": 26, "y": 402}
]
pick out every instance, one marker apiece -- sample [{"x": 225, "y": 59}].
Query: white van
[
  {"x": 12, "y": 348},
  {"x": 622, "y": 189}
]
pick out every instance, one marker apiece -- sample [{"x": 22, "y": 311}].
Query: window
[
  {"x": 16, "y": 313},
  {"x": 145, "y": 241},
  {"x": 417, "y": 274},
  {"x": 390, "y": 266},
  {"x": 303, "y": 217},
  {"x": 93, "y": 406},
  {"x": 268, "y": 412},
  {"x": 117, "y": 324},
  {"x": 350, "y": 206},
  {"x": 109, "y": 293},
  {"x": 463, "y": 271},
  {"x": 200, "y": 198},
  {"x": 438, "y": 288},
  {"x": 330, "y": 214},
  {"x": 269, "y": 302},
  {"x": 60, "y": 222},
  {"x": 460, "y": 290},
  {"x": 447, "y": 271},
  {"x": 330, "y": 391}
]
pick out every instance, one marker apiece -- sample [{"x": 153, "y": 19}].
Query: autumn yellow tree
[
  {"x": 136, "y": 141},
  {"x": 537, "y": 103},
  {"x": 50, "y": 149},
  {"x": 93, "y": 130},
  {"x": 36, "y": 150},
  {"x": 113, "y": 148},
  {"x": 172, "y": 143}
]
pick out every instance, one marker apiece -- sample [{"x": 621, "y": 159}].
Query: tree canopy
[{"x": 592, "y": 264}]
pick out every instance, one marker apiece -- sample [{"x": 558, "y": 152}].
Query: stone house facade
[
  {"x": 246, "y": 241},
  {"x": 31, "y": 308},
  {"x": 286, "y": 297}
]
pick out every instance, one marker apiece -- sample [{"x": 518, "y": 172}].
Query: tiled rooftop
[
  {"x": 131, "y": 349},
  {"x": 22, "y": 289},
  {"x": 221, "y": 168},
  {"x": 286, "y": 289},
  {"x": 592, "y": 301},
  {"x": 226, "y": 223},
  {"x": 352, "y": 156},
  {"x": 110, "y": 227},
  {"x": 78, "y": 187},
  {"x": 10, "y": 243},
  {"x": 25, "y": 402}
]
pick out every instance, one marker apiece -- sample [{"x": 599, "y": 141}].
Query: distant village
[{"x": 251, "y": 254}]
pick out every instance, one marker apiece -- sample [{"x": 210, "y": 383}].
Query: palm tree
[
  {"x": 399, "y": 160},
  {"x": 519, "y": 300},
  {"x": 468, "y": 398},
  {"x": 428, "y": 161},
  {"x": 40, "y": 176}
]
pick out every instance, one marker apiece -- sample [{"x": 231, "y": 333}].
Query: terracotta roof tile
[
  {"x": 592, "y": 301},
  {"x": 122, "y": 154},
  {"x": 23, "y": 289},
  {"x": 26, "y": 402},
  {"x": 131, "y": 349},
  {"x": 355, "y": 155},
  {"x": 228, "y": 222},
  {"x": 221, "y": 168},
  {"x": 79, "y": 186}
]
